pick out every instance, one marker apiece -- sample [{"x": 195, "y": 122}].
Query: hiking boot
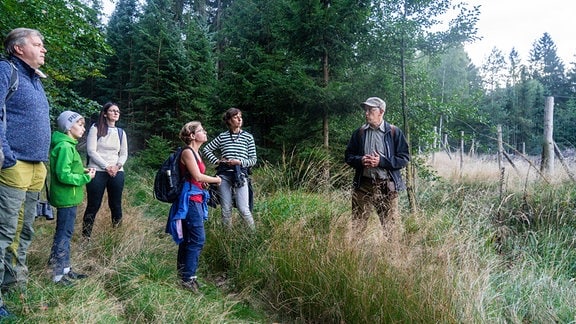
[
  {"x": 191, "y": 285},
  {"x": 13, "y": 287},
  {"x": 5, "y": 313},
  {"x": 74, "y": 275},
  {"x": 116, "y": 223},
  {"x": 65, "y": 282}
]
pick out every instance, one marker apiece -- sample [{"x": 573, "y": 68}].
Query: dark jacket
[{"x": 396, "y": 159}]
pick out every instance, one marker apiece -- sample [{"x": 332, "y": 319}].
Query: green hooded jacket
[{"x": 67, "y": 176}]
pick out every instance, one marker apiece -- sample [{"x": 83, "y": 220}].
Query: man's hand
[{"x": 371, "y": 160}]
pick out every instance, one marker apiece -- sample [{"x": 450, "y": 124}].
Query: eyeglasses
[
  {"x": 113, "y": 111},
  {"x": 370, "y": 109},
  {"x": 200, "y": 130}
]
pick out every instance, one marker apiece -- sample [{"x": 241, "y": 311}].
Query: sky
[{"x": 507, "y": 24}]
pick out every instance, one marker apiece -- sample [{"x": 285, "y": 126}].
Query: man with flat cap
[{"x": 377, "y": 151}]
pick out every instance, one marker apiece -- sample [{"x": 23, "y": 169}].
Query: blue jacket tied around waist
[{"x": 179, "y": 210}]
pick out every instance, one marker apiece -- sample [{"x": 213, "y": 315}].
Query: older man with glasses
[{"x": 377, "y": 151}]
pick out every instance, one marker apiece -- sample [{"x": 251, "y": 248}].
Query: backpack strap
[
  {"x": 120, "y": 134},
  {"x": 195, "y": 156},
  {"x": 392, "y": 130},
  {"x": 14, "y": 81},
  {"x": 181, "y": 165}
]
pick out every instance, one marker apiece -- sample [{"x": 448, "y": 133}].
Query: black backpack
[{"x": 169, "y": 180}]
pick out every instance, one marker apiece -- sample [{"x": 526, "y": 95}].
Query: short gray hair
[{"x": 19, "y": 36}]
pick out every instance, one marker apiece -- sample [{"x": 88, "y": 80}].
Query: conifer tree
[
  {"x": 170, "y": 72},
  {"x": 546, "y": 66},
  {"x": 120, "y": 35},
  {"x": 286, "y": 62}
]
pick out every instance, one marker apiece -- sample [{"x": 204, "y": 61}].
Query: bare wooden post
[
  {"x": 500, "y": 154},
  {"x": 461, "y": 151},
  {"x": 523, "y": 148},
  {"x": 435, "y": 144},
  {"x": 547, "y": 166},
  {"x": 446, "y": 146}
]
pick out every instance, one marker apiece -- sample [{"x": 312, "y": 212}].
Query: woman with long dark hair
[{"x": 107, "y": 148}]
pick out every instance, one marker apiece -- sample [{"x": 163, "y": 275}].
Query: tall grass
[
  {"x": 132, "y": 273},
  {"x": 308, "y": 264},
  {"x": 467, "y": 255},
  {"x": 470, "y": 254},
  {"x": 522, "y": 238}
]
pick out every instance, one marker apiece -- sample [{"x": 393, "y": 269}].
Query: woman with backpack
[
  {"x": 188, "y": 213},
  {"x": 107, "y": 148}
]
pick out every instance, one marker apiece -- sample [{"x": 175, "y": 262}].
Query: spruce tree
[
  {"x": 120, "y": 35},
  {"x": 171, "y": 81},
  {"x": 546, "y": 66}
]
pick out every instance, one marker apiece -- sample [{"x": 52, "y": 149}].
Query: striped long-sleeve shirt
[{"x": 232, "y": 146}]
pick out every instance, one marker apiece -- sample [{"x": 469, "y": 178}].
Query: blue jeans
[
  {"x": 95, "y": 191},
  {"x": 241, "y": 196},
  {"x": 60, "y": 255},
  {"x": 194, "y": 238}
]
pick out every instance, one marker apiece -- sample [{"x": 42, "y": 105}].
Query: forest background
[{"x": 298, "y": 70}]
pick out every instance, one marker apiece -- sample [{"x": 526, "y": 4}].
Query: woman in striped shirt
[{"x": 234, "y": 152}]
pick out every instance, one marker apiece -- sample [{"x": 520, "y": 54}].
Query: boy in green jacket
[{"x": 67, "y": 179}]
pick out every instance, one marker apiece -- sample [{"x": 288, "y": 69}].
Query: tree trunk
[
  {"x": 410, "y": 173},
  {"x": 500, "y": 165},
  {"x": 325, "y": 126}
]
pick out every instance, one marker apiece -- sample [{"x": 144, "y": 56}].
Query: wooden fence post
[
  {"x": 447, "y": 146},
  {"x": 472, "y": 150},
  {"x": 547, "y": 165},
  {"x": 461, "y": 152},
  {"x": 500, "y": 154},
  {"x": 435, "y": 144},
  {"x": 524, "y": 148}
]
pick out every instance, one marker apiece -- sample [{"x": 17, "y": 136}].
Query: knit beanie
[{"x": 67, "y": 119}]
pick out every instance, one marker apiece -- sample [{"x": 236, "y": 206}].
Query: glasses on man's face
[
  {"x": 368, "y": 109},
  {"x": 113, "y": 111},
  {"x": 201, "y": 130}
]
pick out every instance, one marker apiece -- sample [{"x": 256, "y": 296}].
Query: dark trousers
[
  {"x": 381, "y": 196},
  {"x": 194, "y": 238},
  {"x": 95, "y": 191}
]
